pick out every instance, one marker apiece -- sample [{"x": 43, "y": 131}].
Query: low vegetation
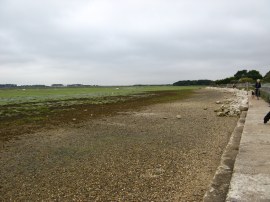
[
  {"x": 25, "y": 110},
  {"x": 241, "y": 76}
]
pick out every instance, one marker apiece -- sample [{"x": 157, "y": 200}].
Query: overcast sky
[{"x": 123, "y": 42}]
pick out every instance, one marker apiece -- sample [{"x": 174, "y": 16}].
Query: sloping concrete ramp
[{"x": 251, "y": 176}]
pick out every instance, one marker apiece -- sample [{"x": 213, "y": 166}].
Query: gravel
[{"x": 149, "y": 154}]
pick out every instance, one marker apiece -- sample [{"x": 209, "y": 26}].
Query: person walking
[{"x": 257, "y": 88}]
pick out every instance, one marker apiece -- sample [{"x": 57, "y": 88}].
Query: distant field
[
  {"x": 18, "y": 96},
  {"x": 37, "y": 102},
  {"x": 23, "y": 110}
]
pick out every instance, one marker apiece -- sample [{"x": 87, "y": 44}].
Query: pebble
[{"x": 183, "y": 166}]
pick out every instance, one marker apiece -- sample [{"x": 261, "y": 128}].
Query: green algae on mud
[
  {"x": 28, "y": 117},
  {"x": 26, "y": 95}
]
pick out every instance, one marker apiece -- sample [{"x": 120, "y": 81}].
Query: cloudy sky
[{"x": 122, "y": 42}]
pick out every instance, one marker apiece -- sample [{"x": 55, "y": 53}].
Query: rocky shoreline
[{"x": 232, "y": 105}]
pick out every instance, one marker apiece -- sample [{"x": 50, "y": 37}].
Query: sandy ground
[{"x": 137, "y": 155}]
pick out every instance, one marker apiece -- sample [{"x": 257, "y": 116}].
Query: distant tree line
[
  {"x": 44, "y": 86},
  {"x": 8, "y": 85},
  {"x": 204, "y": 82},
  {"x": 241, "y": 76}
]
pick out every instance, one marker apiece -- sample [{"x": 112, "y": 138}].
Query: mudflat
[{"x": 161, "y": 152}]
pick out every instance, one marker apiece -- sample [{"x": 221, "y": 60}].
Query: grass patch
[{"x": 265, "y": 95}]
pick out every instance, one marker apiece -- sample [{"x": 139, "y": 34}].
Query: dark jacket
[{"x": 258, "y": 85}]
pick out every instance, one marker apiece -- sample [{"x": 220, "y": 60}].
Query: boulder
[
  {"x": 233, "y": 105},
  {"x": 243, "y": 107},
  {"x": 220, "y": 114},
  {"x": 218, "y": 110},
  {"x": 226, "y": 111}
]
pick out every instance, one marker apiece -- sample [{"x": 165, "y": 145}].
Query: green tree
[
  {"x": 254, "y": 74},
  {"x": 193, "y": 82},
  {"x": 240, "y": 74},
  {"x": 225, "y": 81},
  {"x": 246, "y": 80},
  {"x": 266, "y": 78}
]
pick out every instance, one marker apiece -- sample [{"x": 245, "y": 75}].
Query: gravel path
[{"x": 145, "y": 155}]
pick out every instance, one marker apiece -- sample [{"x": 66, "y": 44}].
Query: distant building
[
  {"x": 57, "y": 85},
  {"x": 33, "y": 86},
  {"x": 75, "y": 85}
]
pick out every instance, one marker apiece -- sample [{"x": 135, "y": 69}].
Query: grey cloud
[{"x": 127, "y": 42}]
